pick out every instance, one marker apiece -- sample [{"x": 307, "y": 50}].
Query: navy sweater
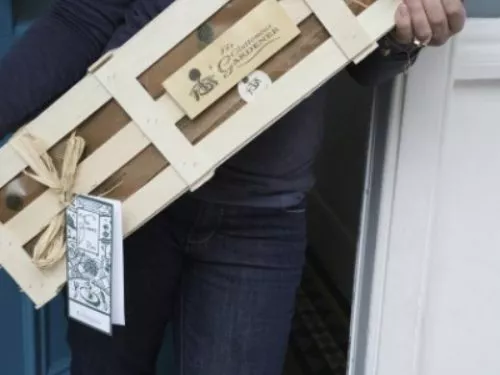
[{"x": 274, "y": 170}]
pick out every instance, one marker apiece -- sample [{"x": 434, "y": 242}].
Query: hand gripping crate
[{"x": 156, "y": 117}]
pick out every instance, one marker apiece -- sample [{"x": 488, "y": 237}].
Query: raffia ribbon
[{"x": 50, "y": 247}]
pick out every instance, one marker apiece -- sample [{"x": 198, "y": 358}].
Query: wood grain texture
[
  {"x": 152, "y": 79},
  {"x": 109, "y": 119},
  {"x": 145, "y": 182}
]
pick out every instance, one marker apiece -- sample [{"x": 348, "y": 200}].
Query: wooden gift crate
[{"x": 159, "y": 116}]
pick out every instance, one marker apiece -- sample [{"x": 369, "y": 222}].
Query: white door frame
[{"x": 403, "y": 165}]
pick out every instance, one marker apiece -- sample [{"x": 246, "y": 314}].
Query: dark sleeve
[
  {"x": 385, "y": 63},
  {"x": 53, "y": 55}
]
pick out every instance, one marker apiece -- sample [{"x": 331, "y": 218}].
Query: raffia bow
[{"x": 50, "y": 247}]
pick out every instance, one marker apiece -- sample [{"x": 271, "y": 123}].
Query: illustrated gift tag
[{"x": 94, "y": 256}]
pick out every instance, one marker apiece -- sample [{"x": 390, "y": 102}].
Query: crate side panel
[{"x": 246, "y": 123}]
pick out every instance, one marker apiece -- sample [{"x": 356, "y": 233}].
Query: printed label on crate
[
  {"x": 255, "y": 38},
  {"x": 252, "y": 85}
]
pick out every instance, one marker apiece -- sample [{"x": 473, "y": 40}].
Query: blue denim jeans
[{"x": 226, "y": 278}]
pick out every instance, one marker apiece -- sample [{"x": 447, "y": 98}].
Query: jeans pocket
[
  {"x": 297, "y": 209},
  {"x": 206, "y": 225}
]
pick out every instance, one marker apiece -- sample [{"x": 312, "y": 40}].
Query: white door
[{"x": 428, "y": 284}]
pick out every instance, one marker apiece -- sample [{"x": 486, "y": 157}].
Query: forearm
[
  {"x": 388, "y": 61},
  {"x": 53, "y": 55}
]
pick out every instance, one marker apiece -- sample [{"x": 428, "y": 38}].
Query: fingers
[
  {"x": 438, "y": 21},
  {"x": 456, "y": 15},
  {"x": 420, "y": 23},
  {"x": 431, "y": 22},
  {"x": 404, "y": 28}
]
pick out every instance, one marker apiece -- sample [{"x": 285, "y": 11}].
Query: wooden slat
[
  {"x": 344, "y": 27},
  {"x": 80, "y": 102},
  {"x": 92, "y": 171},
  {"x": 182, "y": 18},
  {"x": 152, "y": 198},
  {"x": 297, "y": 10},
  {"x": 379, "y": 18},
  {"x": 197, "y": 41},
  {"x": 96, "y": 130},
  {"x": 157, "y": 124}
]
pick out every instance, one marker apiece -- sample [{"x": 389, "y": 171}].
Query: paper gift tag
[
  {"x": 254, "y": 84},
  {"x": 94, "y": 238}
]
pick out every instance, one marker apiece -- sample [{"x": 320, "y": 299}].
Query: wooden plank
[
  {"x": 205, "y": 33},
  {"x": 343, "y": 26},
  {"x": 58, "y": 120},
  {"x": 152, "y": 198},
  {"x": 96, "y": 130},
  {"x": 379, "y": 18},
  {"x": 182, "y": 18},
  {"x": 297, "y": 10},
  {"x": 156, "y": 123},
  {"x": 92, "y": 172},
  {"x": 257, "y": 36}
]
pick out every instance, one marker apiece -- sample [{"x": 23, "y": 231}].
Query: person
[{"x": 221, "y": 264}]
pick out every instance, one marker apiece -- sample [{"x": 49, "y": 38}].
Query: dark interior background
[{"x": 319, "y": 340}]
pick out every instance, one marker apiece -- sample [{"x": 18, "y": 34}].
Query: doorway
[{"x": 319, "y": 341}]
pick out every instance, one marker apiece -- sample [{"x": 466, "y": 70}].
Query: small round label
[{"x": 255, "y": 83}]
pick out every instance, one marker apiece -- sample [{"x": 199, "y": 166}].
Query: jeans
[{"x": 225, "y": 277}]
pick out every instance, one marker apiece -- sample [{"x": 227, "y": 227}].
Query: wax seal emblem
[
  {"x": 205, "y": 34},
  {"x": 14, "y": 202}
]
